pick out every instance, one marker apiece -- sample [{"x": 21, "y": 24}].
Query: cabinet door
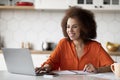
[
  {"x": 111, "y": 4},
  {"x": 87, "y": 4},
  {"x": 51, "y": 4},
  {"x": 96, "y": 4},
  {"x": 107, "y": 4}
]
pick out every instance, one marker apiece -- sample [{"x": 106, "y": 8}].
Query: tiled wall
[{"x": 35, "y": 26}]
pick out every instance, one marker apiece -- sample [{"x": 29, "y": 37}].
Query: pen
[
  {"x": 86, "y": 66},
  {"x": 84, "y": 70}
]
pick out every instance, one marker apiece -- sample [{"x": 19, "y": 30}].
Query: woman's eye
[{"x": 75, "y": 26}]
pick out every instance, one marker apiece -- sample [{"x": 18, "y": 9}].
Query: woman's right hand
[
  {"x": 45, "y": 69},
  {"x": 90, "y": 68}
]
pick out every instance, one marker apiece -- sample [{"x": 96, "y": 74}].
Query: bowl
[
  {"x": 112, "y": 47},
  {"x": 24, "y": 4}
]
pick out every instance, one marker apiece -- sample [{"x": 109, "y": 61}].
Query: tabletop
[{"x": 4, "y": 75}]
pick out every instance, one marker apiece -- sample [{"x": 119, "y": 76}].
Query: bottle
[
  {"x": 22, "y": 45},
  {"x": 28, "y": 45}
]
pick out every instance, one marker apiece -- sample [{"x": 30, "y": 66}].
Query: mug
[
  {"x": 115, "y": 67},
  {"x": 47, "y": 46}
]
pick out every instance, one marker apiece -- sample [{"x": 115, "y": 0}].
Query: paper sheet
[{"x": 72, "y": 72}]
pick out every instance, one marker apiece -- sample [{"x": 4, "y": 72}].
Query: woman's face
[{"x": 73, "y": 29}]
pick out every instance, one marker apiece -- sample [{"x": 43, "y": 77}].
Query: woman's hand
[
  {"x": 90, "y": 68},
  {"x": 45, "y": 69}
]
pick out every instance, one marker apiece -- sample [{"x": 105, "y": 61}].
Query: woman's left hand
[{"x": 90, "y": 68}]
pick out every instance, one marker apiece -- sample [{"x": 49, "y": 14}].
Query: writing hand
[{"x": 90, "y": 68}]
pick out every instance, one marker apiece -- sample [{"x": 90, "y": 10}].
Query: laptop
[{"x": 19, "y": 61}]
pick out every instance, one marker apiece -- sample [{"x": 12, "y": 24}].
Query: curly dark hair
[{"x": 86, "y": 18}]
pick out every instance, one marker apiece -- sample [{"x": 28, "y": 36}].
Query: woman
[{"x": 78, "y": 50}]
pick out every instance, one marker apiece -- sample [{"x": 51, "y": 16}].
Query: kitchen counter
[
  {"x": 48, "y": 52},
  {"x": 40, "y": 52},
  {"x": 114, "y": 53},
  {"x": 4, "y": 75}
]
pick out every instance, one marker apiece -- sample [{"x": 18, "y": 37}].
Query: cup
[{"x": 115, "y": 67}]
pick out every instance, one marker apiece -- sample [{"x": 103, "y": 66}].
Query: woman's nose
[{"x": 70, "y": 29}]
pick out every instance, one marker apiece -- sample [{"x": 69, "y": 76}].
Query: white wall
[{"x": 35, "y": 26}]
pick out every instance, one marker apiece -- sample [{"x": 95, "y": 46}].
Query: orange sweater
[{"x": 64, "y": 56}]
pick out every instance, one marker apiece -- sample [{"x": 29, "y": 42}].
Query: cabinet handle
[
  {"x": 101, "y": 6},
  {"x": 96, "y": 6}
]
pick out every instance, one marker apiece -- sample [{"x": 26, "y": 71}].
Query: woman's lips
[{"x": 71, "y": 34}]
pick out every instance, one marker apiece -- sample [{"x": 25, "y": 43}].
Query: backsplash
[{"x": 36, "y": 26}]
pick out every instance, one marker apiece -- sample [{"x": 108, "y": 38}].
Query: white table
[{"x": 4, "y": 75}]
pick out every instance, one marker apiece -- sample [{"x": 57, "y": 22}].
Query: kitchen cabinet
[
  {"x": 38, "y": 4},
  {"x": 48, "y": 4},
  {"x": 96, "y": 4},
  {"x": 64, "y": 4}
]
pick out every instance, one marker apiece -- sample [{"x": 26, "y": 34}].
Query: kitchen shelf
[
  {"x": 33, "y": 8},
  {"x": 17, "y": 7},
  {"x": 114, "y": 53},
  {"x": 48, "y": 52},
  {"x": 40, "y": 52},
  {"x": 36, "y": 52}
]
